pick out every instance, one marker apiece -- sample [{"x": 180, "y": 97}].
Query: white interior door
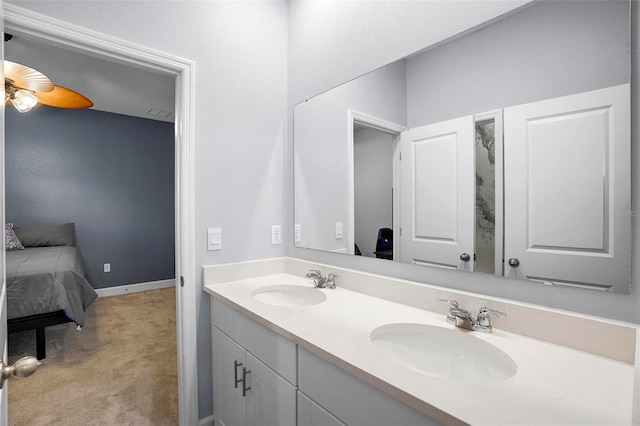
[
  {"x": 567, "y": 189},
  {"x": 438, "y": 194}
]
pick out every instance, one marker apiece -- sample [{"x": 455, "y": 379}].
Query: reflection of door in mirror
[
  {"x": 437, "y": 190},
  {"x": 567, "y": 189},
  {"x": 437, "y": 194}
]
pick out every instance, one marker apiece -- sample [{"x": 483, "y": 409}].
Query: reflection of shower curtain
[{"x": 485, "y": 196}]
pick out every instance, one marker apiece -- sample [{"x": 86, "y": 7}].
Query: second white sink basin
[
  {"x": 289, "y": 295},
  {"x": 444, "y": 353}
]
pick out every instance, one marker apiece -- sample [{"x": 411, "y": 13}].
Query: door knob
[
  {"x": 24, "y": 367},
  {"x": 465, "y": 257},
  {"x": 514, "y": 262}
]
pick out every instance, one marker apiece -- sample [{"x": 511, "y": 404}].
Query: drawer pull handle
[
  {"x": 245, "y": 388},
  {"x": 237, "y": 364}
]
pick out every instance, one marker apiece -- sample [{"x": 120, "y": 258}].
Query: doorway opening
[
  {"x": 374, "y": 152},
  {"x": 25, "y": 23}
]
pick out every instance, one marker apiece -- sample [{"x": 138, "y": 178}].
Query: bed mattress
[{"x": 47, "y": 279}]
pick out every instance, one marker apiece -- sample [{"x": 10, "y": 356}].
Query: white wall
[
  {"x": 240, "y": 51},
  {"x": 345, "y": 40}
]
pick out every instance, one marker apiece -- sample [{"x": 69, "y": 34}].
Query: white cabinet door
[
  {"x": 245, "y": 390},
  {"x": 438, "y": 194},
  {"x": 229, "y": 406},
  {"x": 271, "y": 401},
  {"x": 567, "y": 189},
  {"x": 311, "y": 414}
]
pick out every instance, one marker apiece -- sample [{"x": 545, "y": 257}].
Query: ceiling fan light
[{"x": 23, "y": 101}]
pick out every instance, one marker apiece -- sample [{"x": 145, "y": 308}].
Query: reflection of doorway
[
  {"x": 373, "y": 146},
  {"x": 373, "y": 182}
]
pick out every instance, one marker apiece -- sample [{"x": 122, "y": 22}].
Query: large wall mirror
[{"x": 503, "y": 151}]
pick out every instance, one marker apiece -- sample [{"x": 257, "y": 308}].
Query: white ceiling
[{"x": 111, "y": 86}]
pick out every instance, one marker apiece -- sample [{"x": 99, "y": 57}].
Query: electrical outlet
[
  {"x": 276, "y": 234},
  {"x": 107, "y": 267},
  {"x": 297, "y": 234}
]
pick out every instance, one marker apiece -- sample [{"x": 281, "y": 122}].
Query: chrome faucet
[
  {"x": 462, "y": 318},
  {"x": 322, "y": 282}
]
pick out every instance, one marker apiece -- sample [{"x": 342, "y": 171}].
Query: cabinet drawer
[
  {"x": 311, "y": 414},
  {"x": 353, "y": 401},
  {"x": 277, "y": 352}
]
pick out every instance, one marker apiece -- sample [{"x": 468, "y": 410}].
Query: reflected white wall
[{"x": 321, "y": 165}]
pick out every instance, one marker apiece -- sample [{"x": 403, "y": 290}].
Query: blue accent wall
[{"x": 113, "y": 175}]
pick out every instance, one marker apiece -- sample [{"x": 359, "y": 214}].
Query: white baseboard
[
  {"x": 134, "y": 288},
  {"x": 207, "y": 421}
]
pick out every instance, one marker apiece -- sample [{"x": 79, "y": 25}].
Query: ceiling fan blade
[
  {"x": 27, "y": 78},
  {"x": 61, "y": 97}
]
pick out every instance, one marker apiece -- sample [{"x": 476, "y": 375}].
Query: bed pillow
[
  {"x": 11, "y": 240},
  {"x": 46, "y": 235}
]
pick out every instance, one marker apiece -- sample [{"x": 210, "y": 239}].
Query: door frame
[
  {"x": 59, "y": 33},
  {"x": 355, "y": 117}
]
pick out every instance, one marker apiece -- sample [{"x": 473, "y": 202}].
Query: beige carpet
[{"x": 119, "y": 370}]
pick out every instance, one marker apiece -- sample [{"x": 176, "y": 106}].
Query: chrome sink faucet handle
[
  {"x": 316, "y": 276},
  {"x": 453, "y": 309},
  {"x": 483, "y": 323},
  {"x": 330, "y": 282}
]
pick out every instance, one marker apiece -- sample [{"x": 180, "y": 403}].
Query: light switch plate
[
  {"x": 214, "y": 239},
  {"x": 297, "y": 234},
  {"x": 339, "y": 230}
]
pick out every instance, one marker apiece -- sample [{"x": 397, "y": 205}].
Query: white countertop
[{"x": 554, "y": 385}]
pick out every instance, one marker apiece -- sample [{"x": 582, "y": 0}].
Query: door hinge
[
  {"x": 181, "y": 281},
  {"x": 401, "y": 231},
  {"x": 400, "y": 156}
]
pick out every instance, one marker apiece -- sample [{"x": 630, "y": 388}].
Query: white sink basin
[
  {"x": 289, "y": 295},
  {"x": 444, "y": 353}
]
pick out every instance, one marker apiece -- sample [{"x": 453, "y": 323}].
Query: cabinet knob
[{"x": 514, "y": 262}]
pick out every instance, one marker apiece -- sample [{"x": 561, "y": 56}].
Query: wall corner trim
[{"x": 134, "y": 288}]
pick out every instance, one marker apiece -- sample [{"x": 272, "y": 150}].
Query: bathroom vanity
[{"x": 285, "y": 352}]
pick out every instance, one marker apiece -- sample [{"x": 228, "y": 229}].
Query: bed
[{"x": 46, "y": 282}]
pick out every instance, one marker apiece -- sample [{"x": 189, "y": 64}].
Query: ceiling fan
[{"x": 25, "y": 87}]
